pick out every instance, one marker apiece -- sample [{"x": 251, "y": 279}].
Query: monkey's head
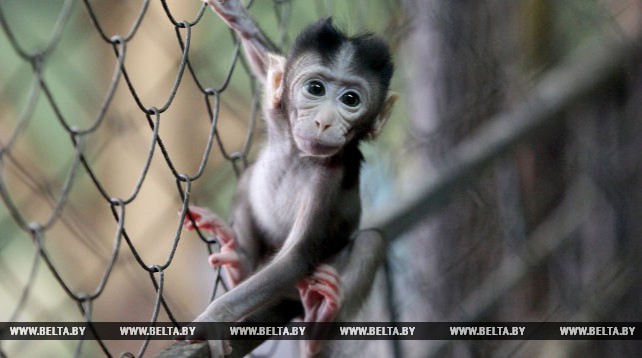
[{"x": 332, "y": 88}]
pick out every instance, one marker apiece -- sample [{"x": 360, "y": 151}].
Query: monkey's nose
[{"x": 322, "y": 125}]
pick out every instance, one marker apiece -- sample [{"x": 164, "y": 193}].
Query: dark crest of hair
[{"x": 372, "y": 52}]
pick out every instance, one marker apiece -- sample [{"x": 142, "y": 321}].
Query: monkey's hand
[
  {"x": 232, "y": 12},
  {"x": 321, "y": 294},
  {"x": 228, "y": 257}
]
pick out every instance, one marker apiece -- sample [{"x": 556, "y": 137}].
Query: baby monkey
[{"x": 297, "y": 208}]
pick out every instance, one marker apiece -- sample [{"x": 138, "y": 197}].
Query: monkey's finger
[
  {"x": 327, "y": 274},
  {"x": 305, "y": 286},
  {"x": 332, "y": 296},
  {"x": 225, "y": 236},
  {"x": 195, "y": 215},
  {"x": 326, "y": 279},
  {"x": 321, "y": 313},
  {"x": 310, "y": 300},
  {"x": 234, "y": 276},
  {"x": 302, "y": 288},
  {"x": 206, "y": 220},
  {"x": 311, "y": 309},
  {"x": 328, "y": 271},
  {"x": 199, "y": 213},
  {"x": 313, "y": 293},
  {"x": 195, "y": 212},
  {"x": 187, "y": 222},
  {"x": 230, "y": 258}
]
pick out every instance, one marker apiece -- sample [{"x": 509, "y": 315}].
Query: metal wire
[{"x": 82, "y": 164}]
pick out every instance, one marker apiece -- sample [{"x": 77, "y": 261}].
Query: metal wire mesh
[{"x": 83, "y": 162}]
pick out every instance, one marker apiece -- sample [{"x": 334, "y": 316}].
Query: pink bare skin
[
  {"x": 320, "y": 292},
  {"x": 227, "y": 258}
]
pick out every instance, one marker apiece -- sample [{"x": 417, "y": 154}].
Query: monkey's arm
[{"x": 256, "y": 44}]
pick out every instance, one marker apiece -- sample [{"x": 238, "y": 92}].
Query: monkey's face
[{"x": 326, "y": 103}]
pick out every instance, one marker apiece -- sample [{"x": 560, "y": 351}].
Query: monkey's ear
[
  {"x": 274, "y": 84},
  {"x": 383, "y": 116}
]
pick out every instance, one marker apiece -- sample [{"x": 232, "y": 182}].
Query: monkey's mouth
[{"x": 316, "y": 147}]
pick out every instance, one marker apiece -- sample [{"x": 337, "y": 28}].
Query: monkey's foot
[
  {"x": 321, "y": 294},
  {"x": 228, "y": 256}
]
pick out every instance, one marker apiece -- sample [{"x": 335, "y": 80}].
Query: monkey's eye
[
  {"x": 315, "y": 88},
  {"x": 350, "y": 99}
]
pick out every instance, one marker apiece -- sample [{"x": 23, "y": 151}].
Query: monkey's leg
[{"x": 228, "y": 257}]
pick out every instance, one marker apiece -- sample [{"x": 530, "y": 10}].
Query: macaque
[{"x": 297, "y": 209}]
